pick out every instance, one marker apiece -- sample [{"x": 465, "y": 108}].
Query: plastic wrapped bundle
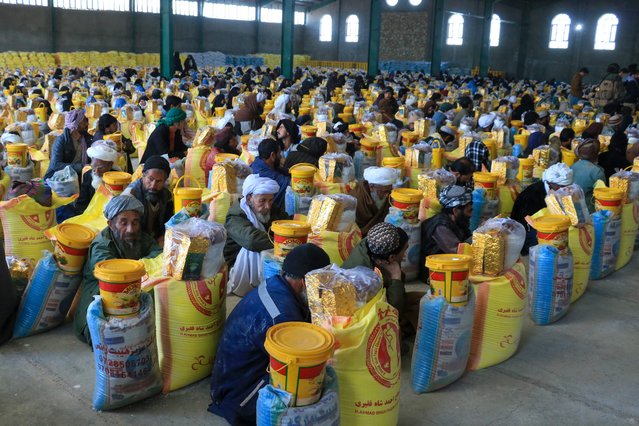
[
  {"x": 271, "y": 266},
  {"x": 607, "y": 241},
  {"x": 570, "y": 201},
  {"x": 193, "y": 249},
  {"x": 442, "y": 343},
  {"x": 64, "y": 182},
  {"x": 496, "y": 246},
  {"x": 273, "y": 406},
  {"x": 419, "y": 156},
  {"x": 295, "y": 203},
  {"x": 335, "y": 212},
  {"x": 336, "y": 292},
  {"x": 550, "y": 283},
  {"x": 228, "y": 176},
  {"x": 628, "y": 182},
  {"x": 433, "y": 181},
  {"x": 336, "y": 168},
  {"x": 506, "y": 168},
  {"x": 545, "y": 156}
]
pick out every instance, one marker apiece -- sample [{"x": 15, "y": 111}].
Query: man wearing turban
[
  {"x": 372, "y": 196},
  {"x": 533, "y": 198},
  {"x": 248, "y": 225},
  {"x": 123, "y": 238},
  {"x": 103, "y": 155},
  {"x": 167, "y": 136},
  {"x": 70, "y": 148}
]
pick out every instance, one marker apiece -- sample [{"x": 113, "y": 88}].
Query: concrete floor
[{"x": 582, "y": 370}]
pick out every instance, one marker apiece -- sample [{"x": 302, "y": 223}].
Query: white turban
[
  {"x": 381, "y": 175},
  {"x": 512, "y": 99},
  {"x": 261, "y": 96},
  {"x": 10, "y": 138},
  {"x": 448, "y": 130},
  {"x": 254, "y": 184},
  {"x": 559, "y": 174},
  {"x": 103, "y": 150},
  {"x": 280, "y": 103},
  {"x": 486, "y": 120}
]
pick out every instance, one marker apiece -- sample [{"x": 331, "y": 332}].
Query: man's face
[
  {"x": 381, "y": 191},
  {"x": 261, "y": 203},
  {"x": 112, "y": 128},
  {"x": 463, "y": 215},
  {"x": 554, "y": 186},
  {"x": 282, "y": 132},
  {"x": 399, "y": 258},
  {"x": 153, "y": 180},
  {"x": 463, "y": 179},
  {"x": 388, "y": 95},
  {"x": 100, "y": 166},
  {"x": 84, "y": 125},
  {"x": 126, "y": 226}
]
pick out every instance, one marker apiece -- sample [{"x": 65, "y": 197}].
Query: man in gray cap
[
  {"x": 443, "y": 232},
  {"x": 123, "y": 238}
]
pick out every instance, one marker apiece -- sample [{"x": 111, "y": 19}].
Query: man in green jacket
[
  {"x": 121, "y": 239},
  {"x": 384, "y": 248}
]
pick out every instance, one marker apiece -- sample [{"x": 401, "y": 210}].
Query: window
[
  {"x": 326, "y": 28},
  {"x": 559, "y": 32},
  {"x": 392, "y": 2},
  {"x": 455, "y": 30},
  {"x": 185, "y": 7},
  {"x": 117, "y": 5},
  {"x": 233, "y": 12},
  {"x": 273, "y": 15},
  {"x": 352, "y": 29},
  {"x": 495, "y": 29},
  {"x": 606, "y": 32},
  {"x": 27, "y": 2},
  {"x": 415, "y": 2}
]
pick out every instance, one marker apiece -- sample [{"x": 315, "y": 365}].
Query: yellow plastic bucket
[
  {"x": 356, "y": 128},
  {"x": 244, "y": 139},
  {"x": 116, "y": 138},
  {"x": 17, "y": 154},
  {"x": 71, "y": 246},
  {"x": 219, "y": 111},
  {"x": 635, "y": 165},
  {"x": 487, "y": 181},
  {"x": 305, "y": 110},
  {"x": 369, "y": 147},
  {"x": 552, "y": 230},
  {"x": 221, "y": 157},
  {"x": 407, "y": 200},
  {"x": 491, "y": 144},
  {"x": 346, "y": 117},
  {"x": 187, "y": 197},
  {"x": 120, "y": 285},
  {"x": 526, "y": 166},
  {"x": 517, "y": 124},
  {"x": 116, "y": 181},
  {"x": 302, "y": 178},
  {"x": 288, "y": 234},
  {"x": 395, "y": 163},
  {"x": 609, "y": 199},
  {"x": 437, "y": 158},
  {"x": 349, "y": 109},
  {"x": 298, "y": 354},
  {"x": 309, "y": 132},
  {"x": 521, "y": 140},
  {"x": 568, "y": 157},
  {"x": 409, "y": 139},
  {"x": 448, "y": 275}
]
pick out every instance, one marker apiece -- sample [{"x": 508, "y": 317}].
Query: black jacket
[
  {"x": 429, "y": 246},
  {"x": 530, "y": 201},
  {"x": 158, "y": 144},
  {"x": 308, "y": 151},
  {"x": 63, "y": 153}
]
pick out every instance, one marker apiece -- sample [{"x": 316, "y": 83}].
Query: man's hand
[{"x": 392, "y": 268}]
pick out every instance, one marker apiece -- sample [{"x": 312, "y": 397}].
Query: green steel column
[
  {"x": 373, "y": 38},
  {"x": 166, "y": 38},
  {"x": 288, "y": 16},
  {"x": 54, "y": 43},
  {"x": 523, "y": 40},
  {"x": 133, "y": 25},
  {"x": 438, "y": 38},
  {"x": 200, "y": 23},
  {"x": 484, "y": 55}
]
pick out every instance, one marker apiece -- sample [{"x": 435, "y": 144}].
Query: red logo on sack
[
  {"x": 383, "y": 349},
  {"x": 36, "y": 221},
  {"x": 585, "y": 240},
  {"x": 200, "y": 296}
]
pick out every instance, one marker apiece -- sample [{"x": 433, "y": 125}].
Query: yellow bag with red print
[
  {"x": 508, "y": 193},
  {"x": 189, "y": 318},
  {"x": 24, "y": 222},
  {"x": 338, "y": 245},
  {"x": 629, "y": 225},
  {"x": 195, "y": 165},
  {"x": 581, "y": 241},
  {"x": 327, "y": 188},
  {"x": 368, "y": 365}
]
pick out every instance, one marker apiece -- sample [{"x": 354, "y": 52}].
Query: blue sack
[
  {"x": 606, "y": 247},
  {"x": 550, "y": 278}
]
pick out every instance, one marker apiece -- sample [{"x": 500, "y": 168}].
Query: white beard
[
  {"x": 379, "y": 202},
  {"x": 95, "y": 181}
]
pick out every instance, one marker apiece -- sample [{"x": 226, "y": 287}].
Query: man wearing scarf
[
  {"x": 123, "y": 238},
  {"x": 247, "y": 225},
  {"x": 167, "y": 136},
  {"x": 372, "y": 196},
  {"x": 249, "y": 116},
  {"x": 151, "y": 191},
  {"x": 70, "y": 148}
]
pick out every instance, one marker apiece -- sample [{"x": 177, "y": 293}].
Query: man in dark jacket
[
  {"x": 151, "y": 191},
  {"x": 70, "y": 148},
  {"x": 241, "y": 363},
  {"x": 9, "y": 300},
  {"x": 268, "y": 165},
  {"x": 308, "y": 151},
  {"x": 167, "y": 137}
]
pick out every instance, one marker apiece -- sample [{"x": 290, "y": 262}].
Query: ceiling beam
[{"x": 319, "y": 5}]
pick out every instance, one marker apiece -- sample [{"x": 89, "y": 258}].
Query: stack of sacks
[
  {"x": 336, "y": 174},
  {"x": 485, "y": 198},
  {"x": 506, "y": 168},
  {"x": 628, "y": 182},
  {"x": 418, "y": 160},
  {"x": 570, "y": 201},
  {"x": 333, "y": 227},
  {"x": 551, "y": 270},
  {"x": 431, "y": 183},
  {"x": 352, "y": 305}
]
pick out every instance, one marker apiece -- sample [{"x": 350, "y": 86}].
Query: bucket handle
[{"x": 182, "y": 177}]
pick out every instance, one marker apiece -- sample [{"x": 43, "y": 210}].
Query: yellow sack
[
  {"x": 137, "y": 174},
  {"x": 195, "y": 165},
  {"x": 629, "y": 226},
  {"x": 500, "y": 309},
  {"x": 219, "y": 205},
  {"x": 338, "y": 245},
  {"x": 24, "y": 222},
  {"x": 153, "y": 265},
  {"x": 189, "y": 317},
  {"x": 428, "y": 208},
  {"x": 581, "y": 241},
  {"x": 246, "y": 156},
  {"x": 508, "y": 193},
  {"x": 5, "y": 181},
  {"x": 327, "y": 188},
  {"x": 93, "y": 216},
  {"x": 368, "y": 364}
]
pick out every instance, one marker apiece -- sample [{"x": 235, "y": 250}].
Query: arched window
[
  {"x": 455, "y": 30},
  {"x": 495, "y": 29},
  {"x": 559, "y": 32},
  {"x": 326, "y": 28},
  {"x": 352, "y": 29},
  {"x": 415, "y": 2},
  {"x": 392, "y": 3},
  {"x": 606, "y": 32}
]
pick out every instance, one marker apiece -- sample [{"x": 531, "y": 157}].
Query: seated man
[
  {"x": 241, "y": 363},
  {"x": 268, "y": 165},
  {"x": 586, "y": 171},
  {"x": 463, "y": 170},
  {"x": 384, "y": 247},
  {"x": 479, "y": 154},
  {"x": 103, "y": 155},
  {"x": 70, "y": 148},
  {"x": 372, "y": 196},
  {"x": 151, "y": 191},
  {"x": 533, "y": 198},
  {"x": 443, "y": 232},
  {"x": 248, "y": 225},
  {"x": 123, "y": 238},
  {"x": 9, "y": 300}
]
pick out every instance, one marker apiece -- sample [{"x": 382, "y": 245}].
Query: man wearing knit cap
[
  {"x": 241, "y": 363},
  {"x": 123, "y": 238},
  {"x": 70, "y": 148},
  {"x": 384, "y": 248},
  {"x": 533, "y": 198},
  {"x": 103, "y": 155},
  {"x": 372, "y": 196},
  {"x": 152, "y": 192},
  {"x": 443, "y": 232}
]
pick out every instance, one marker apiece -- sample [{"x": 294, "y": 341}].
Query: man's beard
[
  {"x": 96, "y": 181},
  {"x": 462, "y": 221},
  {"x": 263, "y": 218},
  {"x": 151, "y": 197},
  {"x": 130, "y": 246},
  {"x": 379, "y": 201}
]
